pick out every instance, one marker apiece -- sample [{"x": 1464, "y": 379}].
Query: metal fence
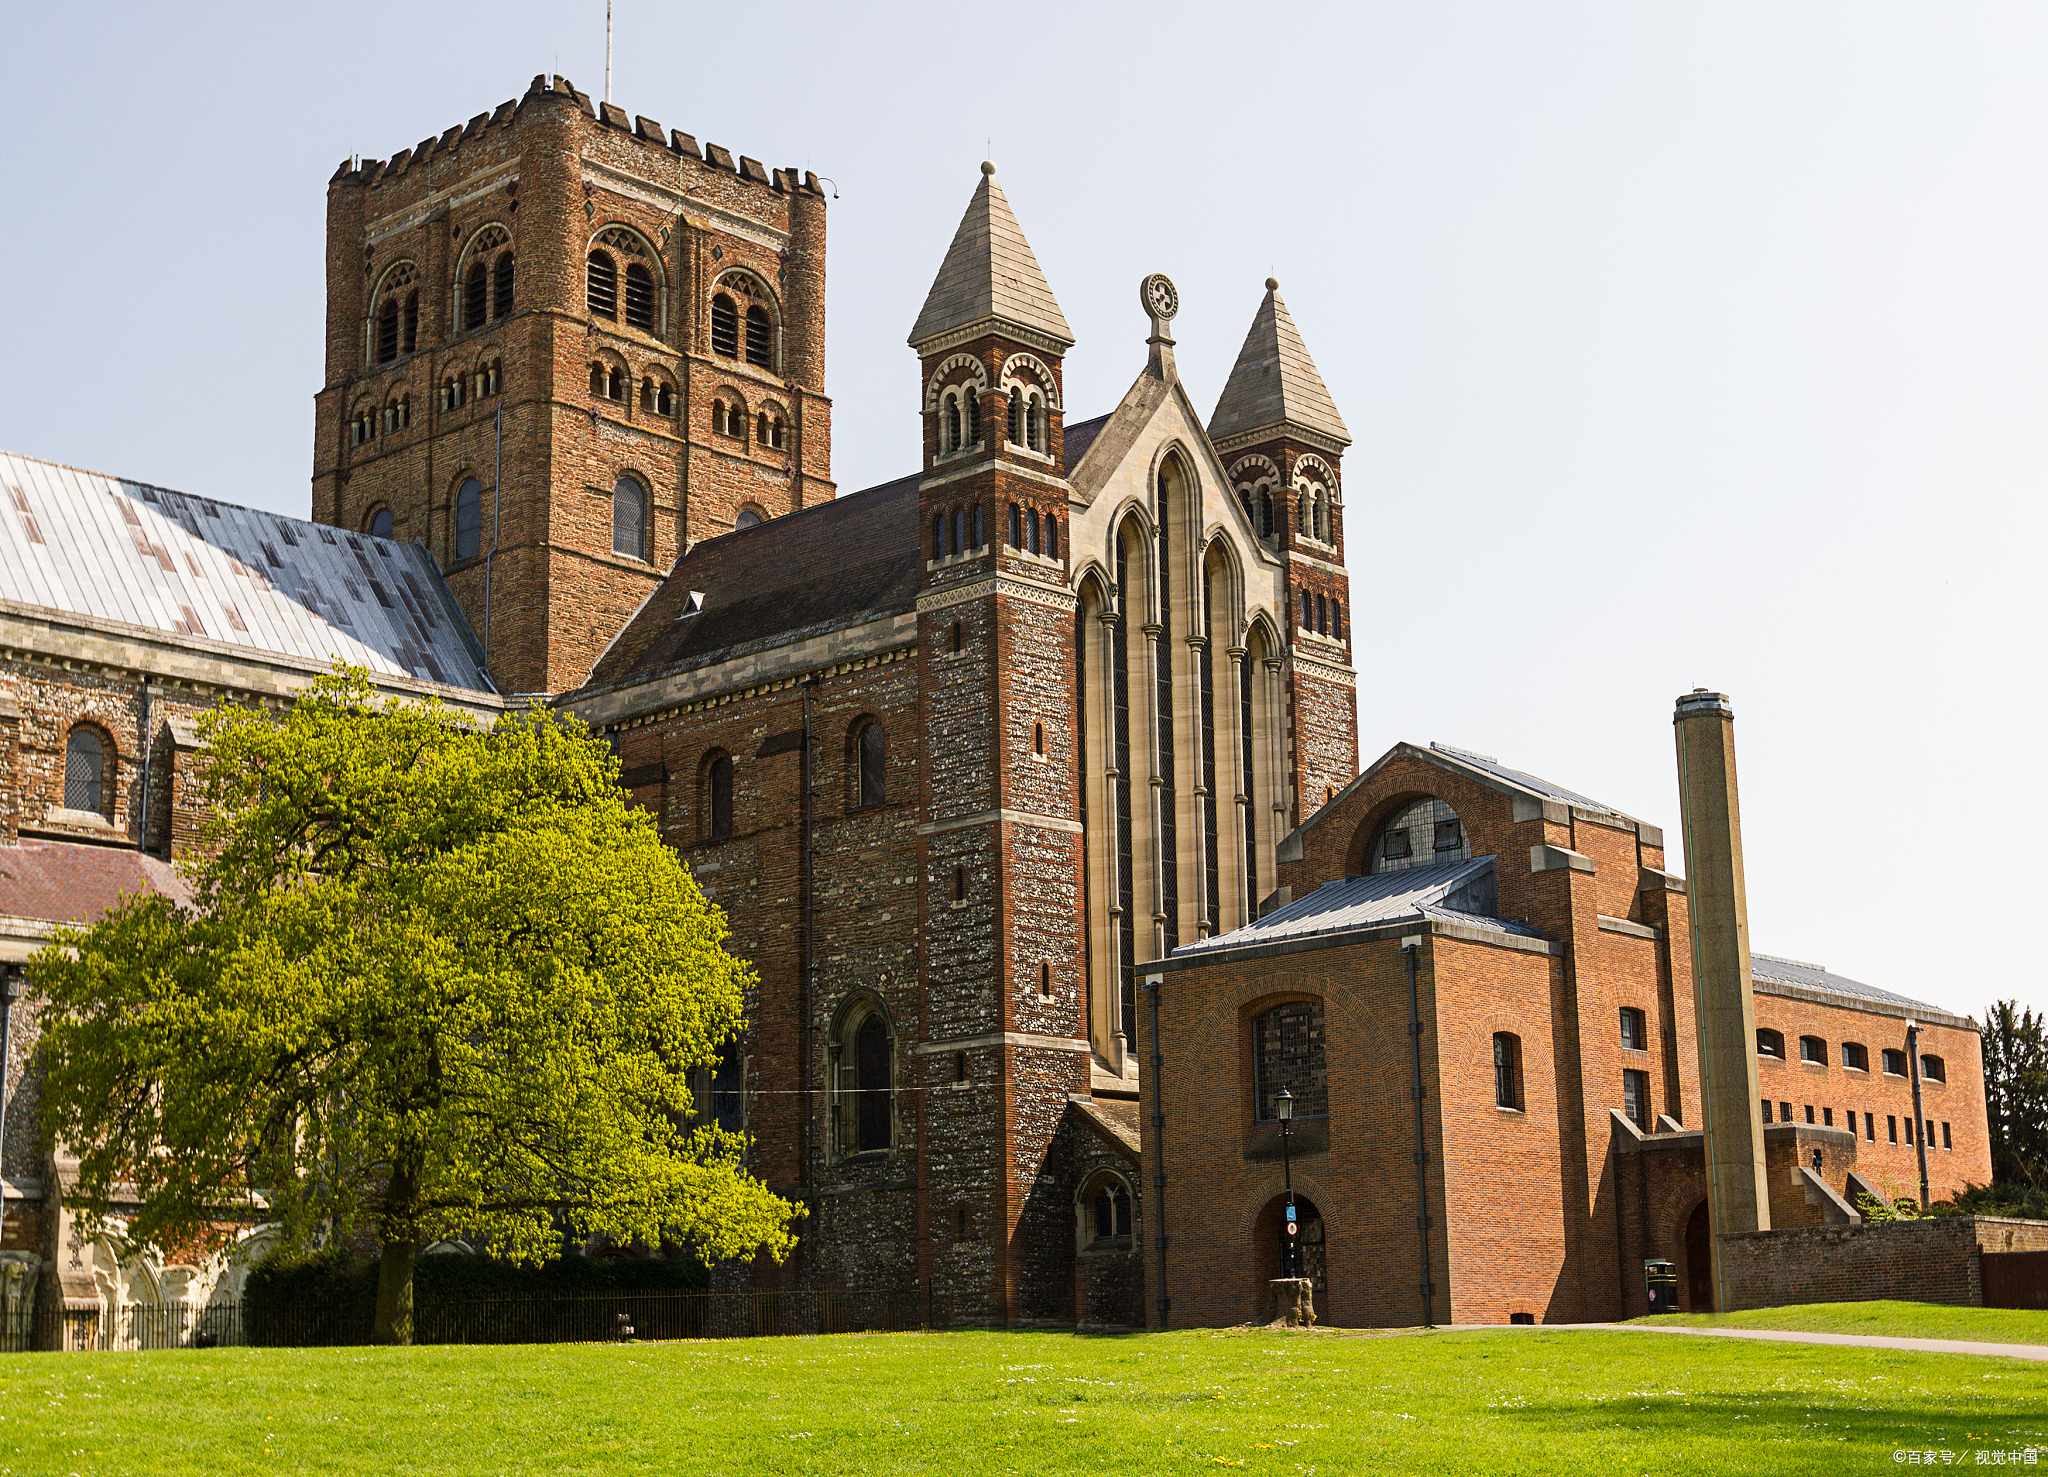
[{"x": 573, "y": 1318}]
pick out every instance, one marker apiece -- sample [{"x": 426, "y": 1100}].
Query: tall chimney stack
[{"x": 1738, "y": 1197}]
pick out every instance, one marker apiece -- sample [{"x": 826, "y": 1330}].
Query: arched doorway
[
  {"x": 1699, "y": 1263},
  {"x": 1311, "y": 1249}
]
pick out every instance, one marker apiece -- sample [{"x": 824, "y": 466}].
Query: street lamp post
[
  {"x": 10, "y": 991},
  {"x": 1283, "y": 1105}
]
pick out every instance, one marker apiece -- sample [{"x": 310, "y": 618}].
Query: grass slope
[
  {"x": 970, "y": 1403},
  {"x": 1895, "y": 1320}
]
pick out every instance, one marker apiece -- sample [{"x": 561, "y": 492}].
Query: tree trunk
[{"x": 394, "y": 1293}]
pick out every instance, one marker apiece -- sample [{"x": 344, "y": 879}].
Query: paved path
[{"x": 1794, "y": 1336}]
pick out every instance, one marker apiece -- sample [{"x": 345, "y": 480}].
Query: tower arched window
[
  {"x": 725, "y": 327},
  {"x": 639, "y": 297},
  {"x": 866, "y": 1085},
  {"x": 747, "y": 517},
  {"x": 760, "y": 338},
  {"x": 939, "y": 536},
  {"x": 1016, "y": 527},
  {"x": 469, "y": 518},
  {"x": 1322, "y": 616},
  {"x": 601, "y": 286},
  {"x": 85, "y": 762},
  {"x": 412, "y": 321},
  {"x": 1031, "y": 530},
  {"x": 501, "y": 286},
  {"x": 395, "y": 317},
  {"x": 380, "y": 524},
  {"x": 1016, "y": 420},
  {"x": 959, "y": 530},
  {"x": 869, "y": 753},
  {"x": 629, "y": 519},
  {"x": 1265, "y": 513},
  {"x": 952, "y": 422},
  {"x": 1034, "y": 419},
  {"x": 476, "y": 296},
  {"x": 973, "y": 416},
  {"x": 1420, "y": 834},
  {"x": 1052, "y": 537},
  {"x": 716, "y": 803},
  {"x": 975, "y": 518},
  {"x": 1308, "y": 611},
  {"x": 387, "y": 330}
]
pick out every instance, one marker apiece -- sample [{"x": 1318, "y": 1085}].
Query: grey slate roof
[
  {"x": 1533, "y": 784},
  {"x": 121, "y": 551},
  {"x": 1371, "y": 901},
  {"x": 856, "y": 558},
  {"x": 1769, "y": 969},
  {"x": 989, "y": 272},
  {"x": 1275, "y": 383}
]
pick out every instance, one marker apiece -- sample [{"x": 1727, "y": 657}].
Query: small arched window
[
  {"x": 1017, "y": 420},
  {"x": 760, "y": 338},
  {"x": 1855, "y": 1056},
  {"x": 1894, "y": 1061},
  {"x": 1287, "y": 1045},
  {"x": 973, "y": 417},
  {"x": 601, "y": 286},
  {"x": 870, "y": 765},
  {"x": 639, "y": 297},
  {"x": 1044, "y": 980},
  {"x": 959, "y": 530},
  {"x": 1031, "y": 530},
  {"x": 1813, "y": 1049},
  {"x": 1016, "y": 527},
  {"x": 1322, "y": 616},
  {"x": 664, "y": 399},
  {"x": 979, "y": 538},
  {"x": 380, "y": 523},
  {"x": 717, "y": 801},
  {"x": 959, "y": 638},
  {"x": 1336, "y": 620},
  {"x": 476, "y": 296},
  {"x": 1933, "y": 1069},
  {"x": 725, "y": 327},
  {"x": 959, "y": 884},
  {"x": 1038, "y": 739},
  {"x": 597, "y": 380},
  {"x": 387, "y": 330},
  {"x": 1507, "y": 1070},
  {"x": 615, "y": 384},
  {"x": 871, "y": 1116},
  {"x": 1109, "y": 1211},
  {"x": 1308, "y": 611},
  {"x": 1052, "y": 537},
  {"x": 1034, "y": 424},
  {"x": 501, "y": 286},
  {"x": 469, "y": 518},
  {"x": 1770, "y": 1043},
  {"x": 939, "y": 536},
  {"x": 952, "y": 422},
  {"x": 647, "y": 393},
  {"x": 749, "y": 517},
  {"x": 629, "y": 519},
  {"x": 85, "y": 761},
  {"x": 1265, "y": 513}
]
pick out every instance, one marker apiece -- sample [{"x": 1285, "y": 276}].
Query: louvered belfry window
[
  {"x": 602, "y": 289},
  {"x": 387, "y": 331},
  {"x": 639, "y": 297},
  {"x": 501, "y": 287},
  {"x": 84, "y": 765},
  {"x": 473, "y": 295},
  {"x": 725, "y": 327},
  {"x": 760, "y": 338}
]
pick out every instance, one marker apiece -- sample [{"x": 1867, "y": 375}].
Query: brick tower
[
  {"x": 648, "y": 316},
  {"x": 1004, "y": 995},
  {"x": 1279, "y": 433}
]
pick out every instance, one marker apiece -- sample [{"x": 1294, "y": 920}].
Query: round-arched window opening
[
  {"x": 1419, "y": 834},
  {"x": 469, "y": 518},
  {"x": 629, "y": 519},
  {"x": 749, "y": 517},
  {"x": 380, "y": 523},
  {"x": 85, "y": 760}
]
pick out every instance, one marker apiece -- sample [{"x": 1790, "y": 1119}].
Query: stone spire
[
  {"x": 1274, "y": 385},
  {"x": 990, "y": 281}
]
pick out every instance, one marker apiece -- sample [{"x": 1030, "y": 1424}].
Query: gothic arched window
[
  {"x": 629, "y": 519},
  {"x": 869, "y": 755},
  {"x": 715, "y": 806},
  {"x": 639, "y": 297},
  {"x": 85, "y": 759},
  {"x": 475, "y": 296},
  {"x": 725, "y": 327},
  {"x": 760, "y": 338},
  {"x": 396, "y": 316},
  {"x": 865, "y": 1084},
  {"x": 601, "y": 286},
  {"x": 1109, "y": 1211},
  {"x": 469, "y": 518},
  {"x": 501, "y": 286}
]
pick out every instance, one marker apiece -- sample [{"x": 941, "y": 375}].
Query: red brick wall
[{"x": 1923, "y": 1261}]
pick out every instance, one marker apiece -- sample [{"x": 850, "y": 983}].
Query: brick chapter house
[{"x": 1538, "y": 951}]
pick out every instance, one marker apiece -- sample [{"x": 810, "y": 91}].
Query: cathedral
[{"x": 1029, "y": 781}]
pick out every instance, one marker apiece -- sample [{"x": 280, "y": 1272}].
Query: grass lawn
[
  {"x": 1896, "y": 1320},
  {"x": 1034, "y": 1403}
]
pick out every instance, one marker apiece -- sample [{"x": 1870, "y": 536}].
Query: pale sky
[{"x": 1683, "y": 345}]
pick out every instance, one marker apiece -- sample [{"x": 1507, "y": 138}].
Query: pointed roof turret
[
  {"x": 990, "y": 277},
  {"x": 1274, "y": 383}
]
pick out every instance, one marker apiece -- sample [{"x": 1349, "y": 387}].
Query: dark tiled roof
[
  {"x": 65, "y": 882},
  {"x": 852, "y": 559},
  {"x": 1117, "y": 1116},
  {"x": 1535, "y": 786},
  {"x": 1771, "y": 970},
  {"x": 1371, "y": 901}
]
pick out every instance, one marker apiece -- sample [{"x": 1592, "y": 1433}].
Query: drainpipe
[
  {"x": 1410, "y": 947},
  {"x": 1158, "y": 1151},
  {"x": 497, "y": 526},
  {"x": 808, "y": 1040},
  {"x": 143, "y": 829},
  {"x": 1919, "y": 1117}
]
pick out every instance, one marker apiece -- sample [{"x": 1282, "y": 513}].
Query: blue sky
[{"x": 1683, "y": 345}]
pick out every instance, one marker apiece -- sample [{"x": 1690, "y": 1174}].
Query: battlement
[{"x": 370, "y": 173}]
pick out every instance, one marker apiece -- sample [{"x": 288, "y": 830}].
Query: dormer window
[{"x": 1421, "y": 833}]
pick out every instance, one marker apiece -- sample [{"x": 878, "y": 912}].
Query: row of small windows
[
  {"x": 960, "y": 420},
  {"x": 486, "y": 294},
  {"x": 1029, "y": 533},
  {"x": 957, "y": 532},
  {"x": 1312, "y": 514},
  {"x": 1322, "y": 615},
  {"x": 395, "y": 415},
  {"x": 728, "y": 419},
  {"x": 867, "y": 782},
  {"x": 487, "y": 289},
  {"x": 601, "y": 280},
  {"x": 370, "y": 423},
  {"x": 480, "y": 383},
  {"x": 1855, "y": 1056},
  {"x": 1827, "y": 1120}
]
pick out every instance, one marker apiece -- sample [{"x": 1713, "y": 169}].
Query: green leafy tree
[
  {"x": 2016, "y": 1095},
  {"x": 436, "y": 980}
]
